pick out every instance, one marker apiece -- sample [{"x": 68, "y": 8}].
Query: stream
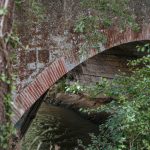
[{"x": 57, "y": 128}]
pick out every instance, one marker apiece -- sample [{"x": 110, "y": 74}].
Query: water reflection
[{"x": 57, "y": 128}]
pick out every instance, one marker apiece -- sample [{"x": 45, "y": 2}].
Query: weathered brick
[
  {"x": 31, "y": 56},
  {"x": 43, "y": 56}
]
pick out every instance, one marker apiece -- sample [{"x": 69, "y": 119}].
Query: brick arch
[{"x": 52, "y": 73}]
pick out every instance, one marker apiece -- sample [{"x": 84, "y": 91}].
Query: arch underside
[{"x": 51, "y": 74}]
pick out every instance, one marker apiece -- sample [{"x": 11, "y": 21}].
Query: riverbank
[{"x": 78, "y": 102}]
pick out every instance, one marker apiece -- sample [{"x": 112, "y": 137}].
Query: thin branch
[{"x": 3, "y": 19}]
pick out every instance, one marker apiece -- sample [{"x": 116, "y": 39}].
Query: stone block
[
  {"x": 31, "y": 56},
  {"x": 43, "y": 56}
]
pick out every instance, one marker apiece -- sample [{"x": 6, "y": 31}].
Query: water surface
[{"x": 57, "y": 127}]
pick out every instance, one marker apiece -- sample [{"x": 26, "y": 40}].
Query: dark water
[{"x": 57, "y": 127}]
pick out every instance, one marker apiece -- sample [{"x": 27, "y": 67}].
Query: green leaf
[{"x": 3, "y": 11}]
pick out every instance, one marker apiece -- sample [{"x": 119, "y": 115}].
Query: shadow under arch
[{"x": 106, "y": 64}]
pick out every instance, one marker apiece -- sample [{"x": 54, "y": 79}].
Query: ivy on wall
[
  {"x": 6, "y": 83},
  {"x": 7, "y": 129},
  {"x": 34, "y": 12},
  {"x": 102, "y": 14}
]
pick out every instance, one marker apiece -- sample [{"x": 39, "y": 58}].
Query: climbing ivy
[
  {"x": 6, "y": 81},
  {"x": 101, "y": 14},
  {"x": 5, "y": 126},
  {"x": 35, "y": 11},
  {"x": 7, "y": 129}
]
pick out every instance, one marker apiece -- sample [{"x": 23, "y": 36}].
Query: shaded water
[{"x": 55, "y": 126}]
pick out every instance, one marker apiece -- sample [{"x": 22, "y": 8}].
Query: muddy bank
[{"x": 76, "y": 102}]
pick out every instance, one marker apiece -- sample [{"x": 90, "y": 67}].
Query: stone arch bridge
[
  {"x": 62, "y": 65},
  {"x": 52, "y": 49}
]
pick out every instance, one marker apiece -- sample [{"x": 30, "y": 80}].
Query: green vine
[
  {"x": 7, "y": 129},
  {"x": 36, "y": 12},
  {"x": 6, "y": 82}
]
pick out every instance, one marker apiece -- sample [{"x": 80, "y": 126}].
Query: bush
[
  {"x": 75, "y": 88},
  {"x": 128, "y": 127}
]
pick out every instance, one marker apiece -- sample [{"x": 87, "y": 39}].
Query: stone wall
[
  {"x": 54, "y": 37},
  {"x": 47, "y": 40}
]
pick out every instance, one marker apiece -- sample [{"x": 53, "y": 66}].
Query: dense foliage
[{"x": 128, "y": 127}]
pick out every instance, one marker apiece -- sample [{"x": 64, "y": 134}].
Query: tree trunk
[
  {"x": 6, "y": 20},
  {"x": 5, "y": 66}
]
